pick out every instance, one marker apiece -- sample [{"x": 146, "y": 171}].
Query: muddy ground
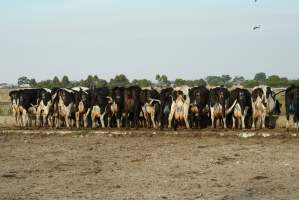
[{"x": 59, "y": 164}]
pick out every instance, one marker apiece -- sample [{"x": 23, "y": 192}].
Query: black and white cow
[
  {"x": 264, "y": 103},
  {"x": 44, "y": 102},
  {"x": 64, "y": 107},
  {"x": 150, "y": 104},
  {"x": 116, "y": 106},
  {"x": 292, "y": 105},
  {"x": 82, "y": 106},
  {"x": 199, "y": 106},
  {"x": 99, "y": 103},
  {"x": 166, "y": 102},
  {"x": 27, "y": 104},
  {"x": 132, "y": 106},
  {"x": 219, "y": 105},
  {"x": 242, "y": 106},
  {"x": 14, "y": 100},
  {"x": 179, "y": 107}
]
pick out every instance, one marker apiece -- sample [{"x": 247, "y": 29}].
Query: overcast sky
[{"x": 183, "y": 39}]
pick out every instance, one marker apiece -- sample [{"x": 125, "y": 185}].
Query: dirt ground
[{"x": 127, "y": 165}]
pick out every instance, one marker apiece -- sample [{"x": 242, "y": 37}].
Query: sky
[{"x": 188, "y": 39}]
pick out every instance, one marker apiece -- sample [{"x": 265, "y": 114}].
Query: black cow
[
  {"x": 219, "y": 105},
  {"x": 166, "y": 101},
  {"x": 241, "y": 98},
  {"x": 199, "y": 106},
  {"x": 99, "y": 103},
  {"x": 116, "y": 106},
  {"x": 132, "y": 105},
  {"x": 292, "y": 104}
]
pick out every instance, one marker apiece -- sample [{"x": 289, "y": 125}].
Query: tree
[
  {"x": 226, "y": 78},
  {"x": 56, "y": 82},
  {"x": 180, "y": 82},
  {"x": 23, "y": 81},
  {"x": 238, "y": 79},
  {"x": 162, "y": 80},
  {"x": 88, "y": 82},
  {"x": 214, "y": 80},
  {"x": 142, "y": 82},
  {"x": 65, "y": 82},
  {"x": 119, "y": 80},
  {"x": 250, "y": 83},
  {"x": 199, "y": 82},
  {"x": 260, "y": 77},
  {"x": 274, "y": 81},
  {"x": 33, "y": 83}
]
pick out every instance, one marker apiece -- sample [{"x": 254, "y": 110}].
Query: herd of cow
[{"x": 196, "y": 107}]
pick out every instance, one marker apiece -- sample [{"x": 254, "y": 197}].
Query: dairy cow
[
  {"x": 82, "y": 106},
  {"x": 44, "y": 102},
  {"x": 115, "y": 106},
  {"x": 219, "y": 105},
  {"x": 150, "y": 104},
  {"x": 242, "y": 100},
  {"x": 27, "y": 104},
  {"x": 64, "y": 107},
  {"x": 199, "y": 106},
  {"x": 165, "y": 98},
  {"x": 264, "y": 103},
  {"x": 132, "y": 107},
  {"x": 180, "y": 107},
  {"x": 99, "y": 103},
  {"x": 14, "y": 100},
  {"x": 292, "y": 105}
]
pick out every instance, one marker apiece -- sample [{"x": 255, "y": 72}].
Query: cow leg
[
  {"x": 66, "y": 119},
  {"x": 38, "y": 116},
  {"x": 93, "y": 119},
  {"x": 243, "y": 121},
  {"x": 77, "y": 119},
  {"x": 234, "y": 122},
  {"x": 170, "y": 117},
  {"x": 102, "y": 120},
  {"x": 213, "y": 120},
  {"x": 153, "y": 118},
  {"x": 224, "y": 122},
  {"x": 24, "y": 119},
  {"x": 263, "y": 120}
]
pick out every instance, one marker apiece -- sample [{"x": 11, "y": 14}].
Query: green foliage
[
  {"x": 250, "y": 83},
  {"x": 23, "y": 81},
  {"x": 162, "y": 80},
  {"x": 119, "y": 80},
  {"x": 122, "y": 80},
  {"x": 238, "y": 79},
  {"x": 142, "y": 82},
  {"x": 260, "y": 77}
]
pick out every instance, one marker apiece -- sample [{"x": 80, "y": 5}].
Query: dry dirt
[{"x": 104, "y": 164}]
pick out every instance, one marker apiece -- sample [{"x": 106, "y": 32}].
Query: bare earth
[{"x": 58, "y": 164}]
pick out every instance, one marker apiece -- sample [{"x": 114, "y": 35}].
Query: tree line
[{"x": 160, "y": 80}]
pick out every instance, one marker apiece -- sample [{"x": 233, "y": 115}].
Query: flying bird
[{"x": 256, "y": 27}]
